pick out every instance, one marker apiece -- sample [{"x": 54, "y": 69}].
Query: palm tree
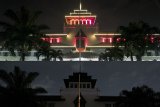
[
  {"x": 22, "y": 32},
  {"x": 133, "y": 38},
  {"x": 138, "y": 97},
  {"x": 49, "y": 53},
  {"x": 112, "y": 54},
  {"x": 17, "y": 90}
]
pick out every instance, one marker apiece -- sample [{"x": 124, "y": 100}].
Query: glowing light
[
  {"x": 80, "y": 13},
  {"x": 118, "y": 39},
  {"x": 86, "y": 22},
  {"x": 103, "y": 40},
  {"x": 80, "y": 10},
  {"x": 80, "y": 16},
  {"x": 62, "y": 46},
  {"x": 80, "y": 6},
  {"x": 106, "y": 40},
  {"x": 99, "y": 46},
  {"x": 152, "y": 39},
  {"x": 58, "y": 40},
  {"x": 50, "y": 40},
  {"x": 156, "y": 34},
  {"x": 69, "y": 36},
  {"x": 109, "y": 34},
  {"x": 81, "y": 21},
  {"x": 93, "y": 37},
  {"x": 56, "y": 34},
  {"x": 53, "y": 40},
  {"x": 90, "y": 22},
  {"x": 110, "y": 40}
]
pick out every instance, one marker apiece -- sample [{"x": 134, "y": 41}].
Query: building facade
[
  {"x": 80, "y": 35},
  {"x": 85, "y": 89}
]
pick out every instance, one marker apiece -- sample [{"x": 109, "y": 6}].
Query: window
[
  {"x": 84, "y": 85},
  {"x": 80, "y": 85},
  {"x": 71, "y": 85},
  {"x": 75, "y": 85},
  {"x": 88, "y": 86}
]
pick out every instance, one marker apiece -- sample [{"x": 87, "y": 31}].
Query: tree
[
  {"x": 138, "y": 97},
  {"x": 16, "y": 89},
  {"x": 49, "y": 53},
  {"x": 133, "y": 40},
  {"x": 22, "y": 33},
  {"x": 112, "y": 54}
]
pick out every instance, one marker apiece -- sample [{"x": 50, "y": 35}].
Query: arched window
[{"x": 71, "y": 21}]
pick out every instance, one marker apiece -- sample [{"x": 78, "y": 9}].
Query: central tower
[{"x": 80, "y": 25}]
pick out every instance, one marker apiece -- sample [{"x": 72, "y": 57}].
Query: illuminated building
[{"x": 80, "y": 35}]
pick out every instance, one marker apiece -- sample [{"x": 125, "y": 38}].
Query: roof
[
  {"x": 108, "y": 98},
  {"x": 49, "y": 98},
  {"x": 81, "y": 12},
  {"x": 83, "y": 76}
]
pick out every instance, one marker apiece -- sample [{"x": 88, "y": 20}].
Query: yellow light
[
  {"x": 93, "y": 37},
  {"x": 56, "y": 34},
  {"x": 99, "y": 46},
  {"x": 62, "y": 46},
  {"x": 109, "y": 34},
  {"x": 81, "y": 10},
  {"x": 69, "y": 36}
]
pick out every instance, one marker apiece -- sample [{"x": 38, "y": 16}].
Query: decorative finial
[{"x": 80, "y": 6}]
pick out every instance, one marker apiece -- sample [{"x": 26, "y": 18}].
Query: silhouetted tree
[
  {"x": 133, "y": 38},
  {"x": 138, "y": 97},
  {"x": 16, "y": 89},
  {"x": 49, "y": 53},
  {"x": 112, "y": 54},
  {"x": 22, "y": 33}
]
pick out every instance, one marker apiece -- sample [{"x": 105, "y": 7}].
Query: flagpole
[
  {"x": 79, "y": 76},
  {"x": 79, "y": 91},
  {"x": 79, "y": 81}
]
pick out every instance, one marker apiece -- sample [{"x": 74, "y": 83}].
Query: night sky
[
  {"x": 111, "y": 13},
  {"x": 112, "y": 77}
]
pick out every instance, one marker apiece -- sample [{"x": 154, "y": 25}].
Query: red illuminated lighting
[
  {"x": 58, "y": 40},
  {"x": 53, "y": 40},
  {"x": 118, "y": 39},
  {"x": 106, "y": 40},
  {"x": 81, "y": 20},
  {"x": 152, "y": 39}
]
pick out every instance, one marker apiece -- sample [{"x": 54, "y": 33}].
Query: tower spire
[{"x": 80, "y": 5}]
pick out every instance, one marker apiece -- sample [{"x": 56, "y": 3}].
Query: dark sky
[
  {"x": 111, "y": 13},
  {"x": 112, "y": 77}
]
